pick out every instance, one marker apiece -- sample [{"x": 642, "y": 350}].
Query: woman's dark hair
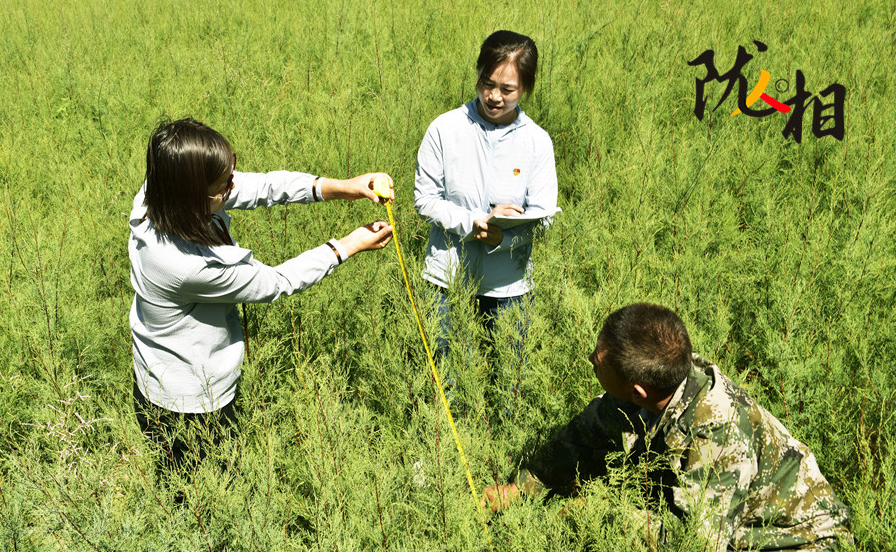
[
  {"x": 502, "y": 46},
  {"x": 648, "y": 344},
  {"x": 183, "y": 159}
]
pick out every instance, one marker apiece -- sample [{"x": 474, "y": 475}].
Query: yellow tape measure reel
[{"x": 382, "y": 187}]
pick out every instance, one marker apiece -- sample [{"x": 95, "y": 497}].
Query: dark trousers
[{"x": 184, "y": 439}]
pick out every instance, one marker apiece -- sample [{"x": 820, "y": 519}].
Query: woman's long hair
[{"x": 183, "y": 159}]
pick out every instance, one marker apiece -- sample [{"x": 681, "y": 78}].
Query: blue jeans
[{"x": 509, "y": 365}]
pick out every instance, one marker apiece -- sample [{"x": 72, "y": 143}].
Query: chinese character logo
[
  {"x": 758, "y": 93},
  {"x": 822, "y": 124}
]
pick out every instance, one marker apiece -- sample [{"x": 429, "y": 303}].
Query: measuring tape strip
[{"x": 382, "y": 188}]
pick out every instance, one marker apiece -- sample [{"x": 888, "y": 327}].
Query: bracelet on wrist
[
  {"x": 314, "y": 194},
  {"x": 336, "y": 247}
]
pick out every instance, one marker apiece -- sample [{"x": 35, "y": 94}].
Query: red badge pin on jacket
[{"x": 516, "y": 172}]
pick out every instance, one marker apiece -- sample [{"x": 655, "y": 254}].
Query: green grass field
[{"x": 779, "y": 257}]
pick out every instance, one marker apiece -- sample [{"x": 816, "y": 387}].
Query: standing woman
[
  {"x": 189, "y": 274},
  {"x": 484, "y": 159}
]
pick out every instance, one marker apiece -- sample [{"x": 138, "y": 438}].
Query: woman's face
[
  {"x": 499, "y": 94},
  {"x": 220, "y": 190}
]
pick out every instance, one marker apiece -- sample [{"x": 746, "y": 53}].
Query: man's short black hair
[{"x": 647, "y": 344}]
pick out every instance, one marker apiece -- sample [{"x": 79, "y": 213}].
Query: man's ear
[
  {"x": 646, "y": 397},
  {"x": 639, "y": 393}
]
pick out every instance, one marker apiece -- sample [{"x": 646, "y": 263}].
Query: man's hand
[{"x": 498, "y": 497}]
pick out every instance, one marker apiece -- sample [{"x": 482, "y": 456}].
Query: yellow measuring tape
[{"x": 382, "y": 188}]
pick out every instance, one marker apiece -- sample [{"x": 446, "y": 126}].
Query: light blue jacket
[
  {"x": 466, "y": 166},
  {"x": 187, "y": 336}
]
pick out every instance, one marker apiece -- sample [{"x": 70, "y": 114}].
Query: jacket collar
[
  {"x": 473, "y": 114},
  {"x": 699, "y": 378}
]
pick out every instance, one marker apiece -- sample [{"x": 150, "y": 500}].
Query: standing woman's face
[
  {"x": 499, "y": 94},
  {"x": 220, "y": 190}
]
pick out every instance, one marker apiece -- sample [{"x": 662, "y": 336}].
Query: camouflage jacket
[{"x": 714, "y": 453}]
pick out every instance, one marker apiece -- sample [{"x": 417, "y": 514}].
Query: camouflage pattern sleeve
[
  {"x": 577, "y": 452},
  {"x": 718, "y": 466},
  {"x": 746, "y": 482},
  {"x": 529, "y": 484}
]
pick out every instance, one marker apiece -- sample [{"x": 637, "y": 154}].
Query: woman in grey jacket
[
  {"x": 477, "y": 164},
  {"x": 188, "y": 273}
]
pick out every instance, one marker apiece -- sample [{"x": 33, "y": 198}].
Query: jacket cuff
[
  {"x": 528, "y": 484},
  {"x": 338, "y": 251}
]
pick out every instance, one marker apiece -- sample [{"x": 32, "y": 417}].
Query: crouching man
[{"x": 712, "y": 451}]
